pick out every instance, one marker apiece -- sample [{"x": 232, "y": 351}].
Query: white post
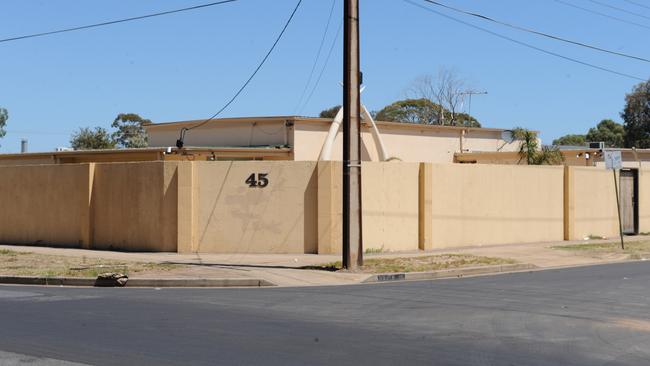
[
  {"x": 381, "y": 149},
  {"x": 326, "y": 151}
]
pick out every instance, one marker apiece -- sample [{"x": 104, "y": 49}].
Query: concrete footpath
[{"x": 285, "y": 269}]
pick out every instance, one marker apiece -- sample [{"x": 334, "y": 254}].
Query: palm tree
[{"x": 529, "y": 149}]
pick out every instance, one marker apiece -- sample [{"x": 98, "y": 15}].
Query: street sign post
[{"x": 613, "y": 161}]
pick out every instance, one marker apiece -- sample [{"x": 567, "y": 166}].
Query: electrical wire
[
  {"x": 111, "y": 22},
  {"x": 637, "y": 4},
  {"x": 619, "y": 9},
  {"x": 28, "y": 132},
  {"x": 483, "y": 17},
  {"x": 184, "y": 130},
  {"x": 602, "y": 14},
  {"x": 320, "y": 49},
  {"x": 322, "y": 71},
  {"x": 525, "y": 44}
]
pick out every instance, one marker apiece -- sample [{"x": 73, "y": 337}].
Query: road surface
[{"x": 597, "y": 315}]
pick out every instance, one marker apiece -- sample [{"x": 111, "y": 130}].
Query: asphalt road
[{"x": 596, "y": 315}]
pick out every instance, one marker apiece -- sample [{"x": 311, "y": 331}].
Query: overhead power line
[
  {"x": 30, "y": 132},
  {"x": 602, "y": 14},
  {"x": 184, "y": 130},
  {"x": 525, "y": 44},
  {"x": 320, "y": 48},
  {"x": 111, "y": 22},
  {"x": 637, "y": 4},
  {"x": 619, "y": 9},
  {"x": 322, "y": 70},
  {"x": 557, "y": 38}
]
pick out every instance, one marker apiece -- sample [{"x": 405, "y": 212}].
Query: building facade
[{"x": 305, "y": 138}]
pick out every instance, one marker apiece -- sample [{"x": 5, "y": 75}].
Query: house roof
[
  {"x": 275, "y": 119},
  {"x": 144, "y": 154}
]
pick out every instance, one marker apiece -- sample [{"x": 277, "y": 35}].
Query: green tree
[
  {"x": 4, "y": 116},
  {"x": 548, "y": 155},
  {"x": 530, "y": 151},
  {"x": 421, "y": 111},
  {"x": 130, "y": 130},
  {"x": 636, "y": 116},
  {"x": 570, "y": 140},
  {"x": 330, "y": 113},
  {"x": 465, "y": 120},
  {"x": 608, "y": 131},
  {"x": 88, "y": 139}
]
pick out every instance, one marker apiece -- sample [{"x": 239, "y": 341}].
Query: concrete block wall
[
  {"x": 231, "y": 216},
  {"x": 209, "y": 206},
  {"x": 464, "y": 205},
  {"x": 125, "y": 206},
  {"x": 389, "y": 200},
  {"x": 133, "y": 206},
  {"x": 45, "y": 204},
  {"x": 590, "y": 203}
]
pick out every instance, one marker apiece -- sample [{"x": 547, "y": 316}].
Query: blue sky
[{"x": 186, "y": 66}]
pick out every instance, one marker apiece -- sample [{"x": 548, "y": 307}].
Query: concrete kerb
[
  {"x": 479, "y": 271},
  {"x": 138, "y": 282},
  {"x": 449, "y": 273}
]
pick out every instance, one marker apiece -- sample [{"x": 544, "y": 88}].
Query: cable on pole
[
  {"x": 619, "y": 9},
  {"x": 320, "y": 49},
  {"x": 526, "y": 44},
  {"x": 111, "y": 22},
  {"x": 180, "y": 142},
  {"x": 637, "y": 4},
  {"x": 322, "y": 70},
  {"x": 602, "y": 14},
  {"x": 524, "y": 29}
]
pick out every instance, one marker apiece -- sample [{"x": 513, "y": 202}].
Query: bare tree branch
[{"x": 447, "y": 90}]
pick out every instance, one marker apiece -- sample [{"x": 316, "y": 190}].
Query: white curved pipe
[
  {"x": 381, "y": 148},
  {"x": 326, "y": 151}
]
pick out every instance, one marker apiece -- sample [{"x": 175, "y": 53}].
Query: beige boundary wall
[
  {"x": 45, "y": 205},
  {"x": 390, "y": 206},
  {"x": 133, "y": 206},
  {"x": 590, "y": 203},
  {"x": 232, "y": 217},
  {"x": 491, "y": 204},
  {"x": 126, "y": 206},
  {"x": 209, "y": 206}
]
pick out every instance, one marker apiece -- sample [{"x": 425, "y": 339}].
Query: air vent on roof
[{"x": 597, "y": 145}]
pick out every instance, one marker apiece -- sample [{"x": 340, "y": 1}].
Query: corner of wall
[{"x": 86, "y": 221}]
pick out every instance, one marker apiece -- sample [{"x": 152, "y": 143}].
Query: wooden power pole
[{"x": 352, "y": 241}]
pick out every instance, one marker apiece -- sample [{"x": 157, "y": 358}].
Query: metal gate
[{"x": 629, "y": 201}]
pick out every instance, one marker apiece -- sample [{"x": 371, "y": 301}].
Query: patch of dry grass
[
  {"x": 633, "y": 250},
  {"x": 422, "y": 264},
  {"x": 13, "y": 263}
]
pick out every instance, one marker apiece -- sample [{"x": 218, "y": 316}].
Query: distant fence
[{"x": 295, "y": 207}]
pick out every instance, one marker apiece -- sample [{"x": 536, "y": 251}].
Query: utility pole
[{"x": 352, "y": 241}]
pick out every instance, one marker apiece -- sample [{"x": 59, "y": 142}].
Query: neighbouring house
[
  {"x": 632, "y": 158},
  {"x": 305, "y": 137},
  {"x": 288, "y": 138}
]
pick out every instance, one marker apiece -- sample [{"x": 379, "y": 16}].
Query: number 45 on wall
[{"x": 257, "y": 180}]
